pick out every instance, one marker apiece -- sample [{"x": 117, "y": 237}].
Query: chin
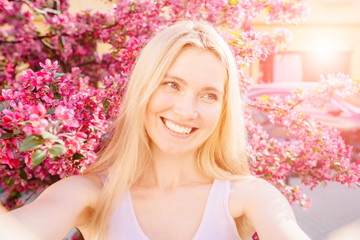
[{"x": 176, "y": 150}]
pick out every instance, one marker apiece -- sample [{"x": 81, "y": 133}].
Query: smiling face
[{"x": 185, "y": 108}]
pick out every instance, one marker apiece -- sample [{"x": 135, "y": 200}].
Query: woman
[{"x": 175, "y": 167}]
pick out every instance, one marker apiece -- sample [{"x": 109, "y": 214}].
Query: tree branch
[
  {"x": 44, "y": 11},
  {"x": 53, "y": 35}
]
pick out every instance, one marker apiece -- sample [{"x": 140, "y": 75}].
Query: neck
[{"x": 170, "y": 170}]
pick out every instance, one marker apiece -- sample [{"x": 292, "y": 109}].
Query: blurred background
[{"x": 328, "y": 42}]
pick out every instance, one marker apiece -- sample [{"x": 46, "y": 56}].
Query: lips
[{"x": 176, "y": 128}]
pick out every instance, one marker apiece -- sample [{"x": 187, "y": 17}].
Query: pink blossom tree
[{"x": 54, "y": 114}]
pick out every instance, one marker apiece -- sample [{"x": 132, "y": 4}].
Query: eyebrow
[{"x": 186, "y": 84}]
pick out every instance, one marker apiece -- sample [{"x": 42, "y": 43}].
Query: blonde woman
[{"x": 176, "y": 166}]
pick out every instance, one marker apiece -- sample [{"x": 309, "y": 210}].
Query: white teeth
[{"x": 177, "y": 128}]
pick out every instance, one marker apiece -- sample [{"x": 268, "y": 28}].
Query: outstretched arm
[
  {"x": 11, "y": 228},
  {"x": 269, "y": 213},
  {"x": 55, "y": 211}
]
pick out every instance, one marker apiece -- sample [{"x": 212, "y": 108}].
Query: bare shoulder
[
  {"x": 251, "y": 186},
  {"x": 249, "y": 189},
  {"x": 80, "y": 186},
  {"x": 239, "y": 192}
]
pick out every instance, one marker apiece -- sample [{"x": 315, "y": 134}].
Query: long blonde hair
[{"x": 127, "y": 155}]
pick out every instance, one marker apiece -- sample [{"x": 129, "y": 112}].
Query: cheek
[
  {"x": 159, "y": 101},
  {"x": 211, "y": 115}
]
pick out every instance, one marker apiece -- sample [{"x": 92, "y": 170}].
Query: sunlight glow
[{"x": 325, "y": 49}]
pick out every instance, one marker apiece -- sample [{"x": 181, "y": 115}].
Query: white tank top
[{"x": 217, "y": 222}]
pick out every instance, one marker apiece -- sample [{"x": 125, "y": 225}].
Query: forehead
[{"x": 197, "y": 65}]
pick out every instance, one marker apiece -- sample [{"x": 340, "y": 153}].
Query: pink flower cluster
[
  {"x": 49, "y": 127},
  {"x": 315, "y": 153},
  {"x": 290, "y": 11}
]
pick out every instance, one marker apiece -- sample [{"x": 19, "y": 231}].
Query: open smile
[{"x": 176, "y": 128}]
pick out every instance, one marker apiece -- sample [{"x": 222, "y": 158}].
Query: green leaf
[
  {"x": 106, "y": 105},
  {"x": 31, "y": 142},
  {"x": 59, "y": 141},
  {"x": 51, "y": 111},
  {"x": 57, "y": 75},
  {"x": 25, "y": 123},
  {"x": 47, "y": 135},
  {"x": 77, "y": 156},
  {"x": 57, "y": 150},
  {"x": 23, "y": 174},
  {"x": 55, "y": 91},
  {"x": 57, "y": 96},
  {"x": 14, "y": 194},
  {"x": 6, "y": 135},
  {"x": 55, "y": 159},
  {"x": 38, "y": 157},
  {"x": 8, "y": 180},
  {"x": 16, "y": 132},
  {"x": 78, "y": 165}
]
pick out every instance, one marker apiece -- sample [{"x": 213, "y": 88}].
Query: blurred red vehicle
[{"x": 340, "y": 113}]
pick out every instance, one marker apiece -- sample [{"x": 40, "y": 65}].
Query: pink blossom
[
  {"x": 50, "y": 66},
  {"x": 64, "y": 114},
  {"x": 37, "y": 125},
  {"x": 38, "y": 110},
  {"x": 9, "y": 94}
]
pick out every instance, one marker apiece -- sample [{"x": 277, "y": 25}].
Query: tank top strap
[
  {"x": 216, "y": 196},
  {"x": 218, "y": 220},
  {"x": 227, "y": 189},
  {"x": 219, "y": 195}
]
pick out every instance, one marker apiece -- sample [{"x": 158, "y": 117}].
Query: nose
[{"x": 185, "y": 108}]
